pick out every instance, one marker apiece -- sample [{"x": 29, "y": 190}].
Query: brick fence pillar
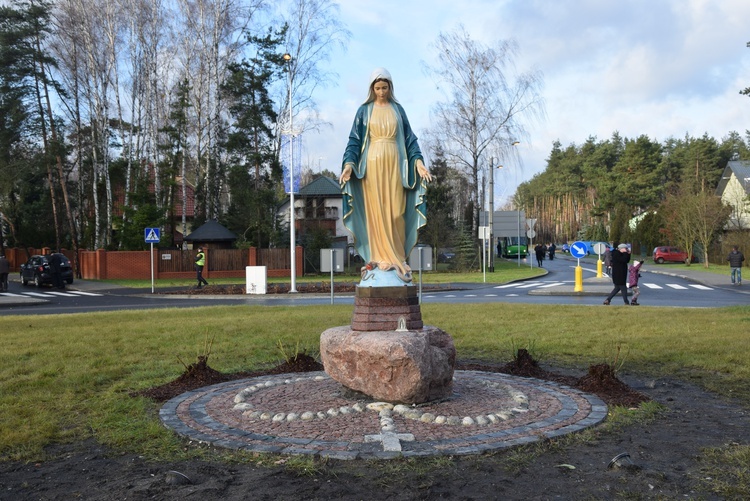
[{"x": 101, "y": 264}]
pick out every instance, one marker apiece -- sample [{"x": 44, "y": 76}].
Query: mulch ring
[{"x": 600, "y": 380}]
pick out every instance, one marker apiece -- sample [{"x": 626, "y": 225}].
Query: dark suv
[{"x": 36, "y": 270}]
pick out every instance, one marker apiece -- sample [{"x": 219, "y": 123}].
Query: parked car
[
  {"x": 668, "y": 254},
  {"x": 446, "y": 256},
  {"x": 36, "y": 270}
]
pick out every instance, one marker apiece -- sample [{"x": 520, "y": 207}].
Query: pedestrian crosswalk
[
  {"x": 545, "y": 285},
  {"x": 678, "y": 287},
  {"x": 49, "y": 294},
  {"x": 523, "y": 288}
]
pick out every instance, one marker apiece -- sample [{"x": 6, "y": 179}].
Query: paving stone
[{"x": 550, "y": 410}]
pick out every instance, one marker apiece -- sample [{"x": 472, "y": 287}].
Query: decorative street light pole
[
  {"x": 492, "y": 210},
  {"x": 292, "y": 237},
  {"x": 518, "y": 215}
]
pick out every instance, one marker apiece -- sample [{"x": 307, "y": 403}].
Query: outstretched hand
[
  {"x": 346, "y": 174},
  {"x": 423, "y": 172}
]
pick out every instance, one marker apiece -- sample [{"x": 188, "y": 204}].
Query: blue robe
[{"x": 415, "y": 188}]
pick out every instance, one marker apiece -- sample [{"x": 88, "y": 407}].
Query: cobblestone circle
[{"x": 308, "y": 413}]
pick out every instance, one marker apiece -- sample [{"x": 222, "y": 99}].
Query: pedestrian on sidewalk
[
  {"x": 539, "y": 250},
  {"x": 4, "y": 270},
  {"x": 735, "y": 259},
  {"x": 200, "y": 262},
  {"x": 620, "y": 260},
  {"x": 634, "y": 273}
]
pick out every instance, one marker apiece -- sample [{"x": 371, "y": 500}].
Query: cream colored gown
[{"x": 385, "y": 198}]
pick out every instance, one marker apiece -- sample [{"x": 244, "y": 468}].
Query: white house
[
  {"x": 734, "y": 188},
  {"x": 318, "y": 205}
]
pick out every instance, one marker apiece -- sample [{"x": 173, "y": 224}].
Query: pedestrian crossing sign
[{"x": 152, "y": 235}]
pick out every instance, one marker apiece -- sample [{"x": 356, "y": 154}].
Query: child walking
[{"x": 633, "y": 276}]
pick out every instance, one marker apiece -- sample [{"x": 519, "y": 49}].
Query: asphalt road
[{"x": 660, "y": 286}]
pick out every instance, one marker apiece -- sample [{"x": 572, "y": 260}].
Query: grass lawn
[{"x": 70, "y": 377}]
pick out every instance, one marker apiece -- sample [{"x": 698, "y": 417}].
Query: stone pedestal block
[
  {"x": 393, "y": 366},
  {"x": 385, "y": 308}
]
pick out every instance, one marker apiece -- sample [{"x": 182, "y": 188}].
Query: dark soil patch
[
  {"x": 600, "y": 380},
  {"x": 199, "y": 374}
]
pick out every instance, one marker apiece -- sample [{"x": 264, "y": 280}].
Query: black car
[
  {"x": 446, "y": 256},
  {"x": 36, "y": 270}
]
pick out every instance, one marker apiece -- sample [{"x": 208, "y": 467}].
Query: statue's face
[{"x": 382, "y": 90}]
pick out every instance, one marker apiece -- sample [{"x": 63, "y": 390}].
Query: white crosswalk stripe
[
  {"x": 50, "y": 294},
  {"x": 506, "y": 286},
  {"x": 648, "y": 285},
  {"x": 529, "y": 286}
]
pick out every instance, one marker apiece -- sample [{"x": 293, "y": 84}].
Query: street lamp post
[
  {"x": 292, "y": 237},
  {"x": 492, "y": 210},
  {"x": 518, "y": 215}
]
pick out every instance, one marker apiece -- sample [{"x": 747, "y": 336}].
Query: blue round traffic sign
[{"x": 579, "y": 249}]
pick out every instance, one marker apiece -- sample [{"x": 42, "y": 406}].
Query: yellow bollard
[
  {"x": 579, "y": 280},
  {"x": 598, "y": 268}
]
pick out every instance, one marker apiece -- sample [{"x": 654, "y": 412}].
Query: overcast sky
[{"x": 664, "y": 68}]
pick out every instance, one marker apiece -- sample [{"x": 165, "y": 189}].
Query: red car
[{"x": 667, "y": 254}]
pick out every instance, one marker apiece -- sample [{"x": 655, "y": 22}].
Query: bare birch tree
[
  {"x": 485, "y": 107},
  {"x": 217, "y": 29}
]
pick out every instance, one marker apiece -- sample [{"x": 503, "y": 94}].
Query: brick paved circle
[{"x": 308, "y": 413}]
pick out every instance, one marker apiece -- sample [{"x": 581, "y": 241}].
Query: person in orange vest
[{"x": 200, "y": 262}]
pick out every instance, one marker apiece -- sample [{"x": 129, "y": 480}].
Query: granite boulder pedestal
[{"x": 387, "y": 353}]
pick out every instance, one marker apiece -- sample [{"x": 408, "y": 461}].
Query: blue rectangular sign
[{"x": 152, "y": 235}]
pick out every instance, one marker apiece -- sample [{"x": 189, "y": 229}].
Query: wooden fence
[{"x": 220, "y": 263}]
